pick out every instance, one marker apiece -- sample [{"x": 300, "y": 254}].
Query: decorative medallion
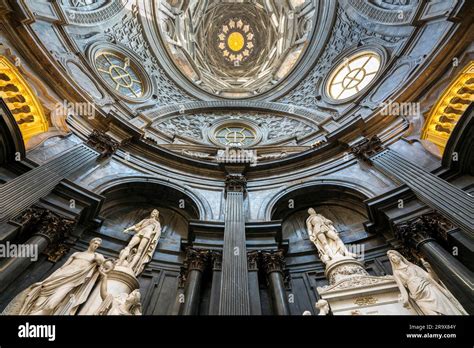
[{"x": 236, "y": 40}]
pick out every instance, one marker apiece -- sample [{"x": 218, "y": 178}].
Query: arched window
[
  {"x": 22, "y": 101},
  {"x": 449, "y": 108}
]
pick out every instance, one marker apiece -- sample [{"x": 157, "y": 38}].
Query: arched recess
[
  {"x": 341, "y": 202},
  {"x": 128, "y": 201},
  {"x": 194, "y": 206},
  {"x": 278, "y": 203},
  {"x": 449, "y": 108},
  {"x": 22, "y": 101}
]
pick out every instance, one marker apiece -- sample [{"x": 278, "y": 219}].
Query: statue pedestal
[
  {"x": 343, "y": 268},
  {"x": 121, "y": 280},
  {"x": 365, "y": 295}
]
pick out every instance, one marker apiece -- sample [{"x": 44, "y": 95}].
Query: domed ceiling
[
  {"x": 236, "y": 49},
  {"x": 196, "y": 76}
]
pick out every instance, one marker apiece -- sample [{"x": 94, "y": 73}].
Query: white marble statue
[
  {"x": 123, "y": 304},
  {"x": 325, "y": 237},
  {"x": 423, "y": 287},
  {"x": 323, "y": 307},
  {"x": 141, "y": 247},
  {"x": 67, "y": 288}
]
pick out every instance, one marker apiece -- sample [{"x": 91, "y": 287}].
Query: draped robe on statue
[{"x": 64, "y": 290}]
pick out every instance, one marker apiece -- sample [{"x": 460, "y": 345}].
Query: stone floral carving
[
  {"x": 423, "y": 287},
  {"x": 274, "y": 127},
  {"x": 367, "y": 148},
  {"x": 102, "y": 143}
]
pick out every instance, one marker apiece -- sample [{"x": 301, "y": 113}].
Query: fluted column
[
  {"x": 274, "y": 264},
  {"x": 49, "y": 230},
  {"x": 253, "y": 259},
  {"x": 195, "y": 265},
  {"x": 216, "y": 259},
  {"x": 420, "y": 233},
  {"x": 234, "y": 298},
  {"x": 26, "y": 189},
  {"x": 437, "y": 193}
]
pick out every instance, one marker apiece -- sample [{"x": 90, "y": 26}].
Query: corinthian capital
[
  {"x": 367, "y": 148},
  {"x": 102, "y": 143},
  {"x": 273, "y": 261},
  {"x": 421, "y": 229}
]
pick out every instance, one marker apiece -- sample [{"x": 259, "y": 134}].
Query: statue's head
[
  {"x": 394, "y": 257},
  {"x": 95, "y": 243},
  {"x": 134, "y": 297},
  {"x": 155, "y": 214},
  {"x": 311, "y": 211},
  {"x": 321, "y": 304}
]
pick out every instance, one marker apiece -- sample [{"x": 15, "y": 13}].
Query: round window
[
  {"x": 120, "y": 74},
  {"x": 235, "y": 135},
  {"x": 353, "y": 75}
]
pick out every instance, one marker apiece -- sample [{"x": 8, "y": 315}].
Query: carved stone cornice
[
  {"x": 235, "y": 183},
  {"x": 367, "y": 148},
  {"x": 422, "y": 229},
  {"x": 273, "y": 261},
  {"x": 103, "y": 143}
]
